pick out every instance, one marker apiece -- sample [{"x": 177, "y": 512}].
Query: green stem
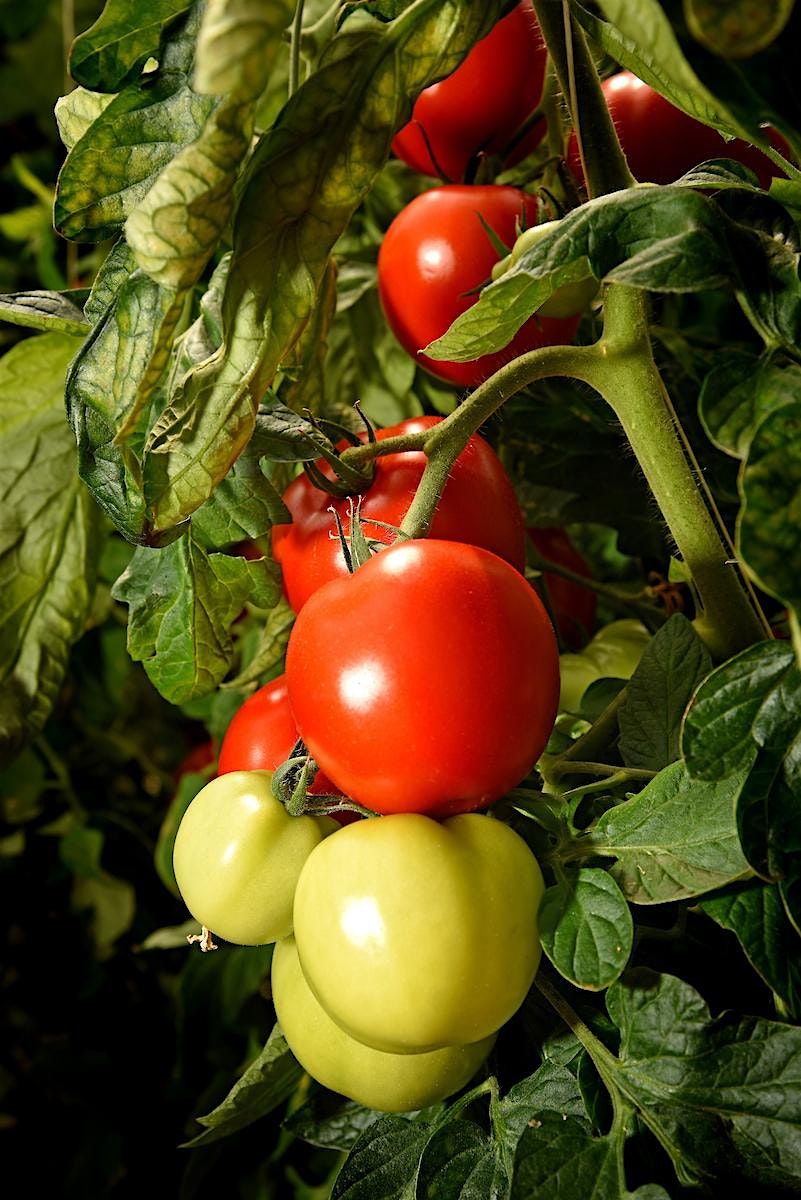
[
  {"x": 605, "y": 167},
  {"x": 294, "y": 48},
  {"x": 611, "y": 772},
  {"x": 649, "y": 612},
  {"x": 604, "y": 1061},
  {"x": 629, "y": 380},
  {"x": 591, "y": 744}
]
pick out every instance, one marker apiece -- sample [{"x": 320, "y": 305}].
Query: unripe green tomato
[
  {"x": 238, "y": 855},
  {"x": 388, "y": 1082},
  {"x": 576, "y": 673},
  {"x": 566, "y": 301},
  {"x": 414, "y": 934},
  {"x": 617, "y": 648}
]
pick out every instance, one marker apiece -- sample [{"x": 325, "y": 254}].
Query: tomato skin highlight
[
  {"x": 238, "y": 855},
  {"x": 478, "y": 506},
  {"x": 427, "y": 681},
  {"x": 434, "y": 256},
  {"x": 415, "y": 934},
  {"x": 482, "y": 104},
  {"x": 261, "y": 735},
  {"x": 661, "y": 143},
  {"x": 374, "y": 1078}
]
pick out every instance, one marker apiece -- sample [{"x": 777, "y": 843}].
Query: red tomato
[
  {"x": 434, "y": 257},
  {"x": 573, "y": 605},
  {"x": 261, "y": 735},
  {"x": 482, "y": 104},
  {"x": 427, "y": 681},
  {"x": 661, "y": 143},
  {"x": 477, "y": 506}
]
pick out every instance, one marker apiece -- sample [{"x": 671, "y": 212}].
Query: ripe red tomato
[
  {"x": 427, "y": 681},
  {"x": 573, "y": 605},
  {"x": 661, "y": 143},
  {"x": 478, "y": 506},
  {"x": 482, "y": 104},
  {"x": 434, "y": 257},
  {"x": 261, "y": 735}
]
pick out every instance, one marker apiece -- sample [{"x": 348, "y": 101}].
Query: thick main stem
[{"x": 629, "y": 380}]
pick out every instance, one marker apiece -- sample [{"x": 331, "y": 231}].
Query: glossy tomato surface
[
  {"x": 415, "y": 934},
  {"x": 374, "y": 1078},
  {"x": 482, "y": 104},
  {"x": 238, "y": 855},
  {"x": 661, "y": 143},
  {"x": 427, "y": 681},
  {"x": 435, "y": 256},
  {"x": 477, "y": 506},
  {"x": 573, "y": 606},
  {"x": 262, "y": 733}
]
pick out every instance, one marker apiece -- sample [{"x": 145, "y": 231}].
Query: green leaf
[
  {"x": 176, "y": 226},
  {"x": 559, "y": 1157},
  {"x": 245, "y": 505},
  {"x": 238, "y": 44},
  {"x": 329, "y": 1121},
  {"x": 676, "y": 839},
  {"x": 80, "y": 851},
  {"x": 112, "y": 903},
  {"x": 730, "y": 1085},
  {"x": 51, "y": 311},
  {"x": 122, "y": 38},
  {"x": 673, "y": 663},
  {"x": 771, "y": 492},
  {"x": 754, "y": 913},
  {"x": 384, "y": 1162},
  {"x": 266, "y": 1083},
  {"x": 183, "y": 602},
  {"x": 49, "y": 543},
  {"x": 188, "y": 787},
  {"x": 586, "y": 928},
  {"x": 462, "y": 1163},
  {"x": 739, "y": 392},
  {"x": 299, "y": 190},
  {"x": 746, "y": 717},
  {"x": 76, "y": 111},
  {"x": 552, "y": 1088},
  {"x": 108, "y": 172},
  {"x": 271, "y": 650}
]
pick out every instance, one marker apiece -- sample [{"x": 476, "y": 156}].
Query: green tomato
[
  {"x": 566, "y": 301},
  {"x": 238, "y": 855},
  {"x": 576, "y": 673},
  {"x": 389, "y": 1082},
  {"x": 414, "y": 934},
  {"x": 617, "y": 648}
]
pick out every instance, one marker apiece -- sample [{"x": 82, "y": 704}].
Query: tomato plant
[
  {"x": 375, "y": 1078},
  {"x": 438, "y": 715},
  {"x": 369, "y": 924},
  {"x": 661, "y": 142},
  {"x": 478, "y": 506},
  {"x": 434, "y": 257},
  {"x": 573, "y": 606},
  {"x": 238, "y": 855},
  {"x": 613, "y": 653},
  {"x": 481, "y": 106}
]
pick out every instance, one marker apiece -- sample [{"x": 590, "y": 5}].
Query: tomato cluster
[{"x": 425, "y": 686}]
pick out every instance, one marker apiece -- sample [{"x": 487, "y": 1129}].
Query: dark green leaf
[
  {"x": 245, "y": 505},
  {"x": 267, "y": 1082},
  {"x": 771, "y": 490},
  {"x": 114, "y": 164},
  {"x": 329, "y": 1121},
  {"x": 183, "y": 602},
  {"x": 677, "y": 838},
  {"x": 462, "y": 1163},
  {"x": 705, "y": 1083},
  {"x": 80, "y": 851},
  {"x": 121, "y": 39},
  {"x": 552, "y": 1088},
  {"x": 53, "y": 311},
  {"x": 673, "y": 663},
  {"x": 755, "y": 914},
  {"x": 586, "y": 928},
  {"x": 49, "y": 542},
  {"x": 559, "y": 1159},
  {"x": 299, "y": 190},
  {"x": 384, "y": 1162},
  {"x": 740, "y": 392}
]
